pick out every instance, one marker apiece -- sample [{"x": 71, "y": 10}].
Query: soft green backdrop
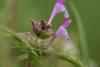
[{"x": 89, "y": 11}]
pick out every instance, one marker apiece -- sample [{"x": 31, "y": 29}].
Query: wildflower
[
  {"x": 61, "y": 1},
  {"x": 58, "y": 8},
  {"x": 43, "y": 30},
  {"x": 62, "y": 32}
]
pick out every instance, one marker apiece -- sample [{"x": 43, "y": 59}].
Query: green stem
[
  {"x": 12, "y": 13},
  {"x": 29, "y": 61},
  {"x": 77, "y": 62},
  {"x": 81, "y": 32}
]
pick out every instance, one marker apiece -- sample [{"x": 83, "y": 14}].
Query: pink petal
[
  {"x": 66, "y": 22},
  {"x": 62, "y": 32},
  {"x": 58, "y": 8},
  {"x": 61, "y": 1}
]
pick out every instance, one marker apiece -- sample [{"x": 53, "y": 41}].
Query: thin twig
[
  {"x": 28, "y": 61},
  {"x": 51, "y": 41}
]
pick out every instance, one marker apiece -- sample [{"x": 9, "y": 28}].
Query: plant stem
[
  {"x": 28, "y": 61},
  {"x": 51, "y": 41},
  {"x": 12, "y": 13},
  {"x": 81, "y": 33}
]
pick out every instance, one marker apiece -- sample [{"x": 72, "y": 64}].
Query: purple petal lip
[
  {"x": 62, "y": 32},
  {"x": 58, "y": 8},
  {"x": 61, "y": 1},
  {"x": 66, "y": 22}
]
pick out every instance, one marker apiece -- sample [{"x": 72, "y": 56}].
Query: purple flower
[
  {"x": 66, "y": 22},
  {"x": 62, "y": 32},
  {"x": 58, "y": 8},
  {"x": 61, "y": 1}
]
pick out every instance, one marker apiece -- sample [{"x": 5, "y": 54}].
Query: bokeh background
[{"x": 17, "y": 15}]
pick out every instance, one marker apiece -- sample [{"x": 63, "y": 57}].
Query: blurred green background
[{"x": 18, "y": 13}]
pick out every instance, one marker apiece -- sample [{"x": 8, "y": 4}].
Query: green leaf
[{"x": 22, "y": 57}]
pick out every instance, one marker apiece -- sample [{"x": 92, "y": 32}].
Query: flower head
[
  {"x": 62, "y": 31},
  {"x": 61, "y": 1},
  {"x": 43, "y": 30},
  {"x": 58, "y": 8},
  {"x": 66, "y": 22}
]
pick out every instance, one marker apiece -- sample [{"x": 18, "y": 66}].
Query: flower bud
[{"x": 41, "y": 29}]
